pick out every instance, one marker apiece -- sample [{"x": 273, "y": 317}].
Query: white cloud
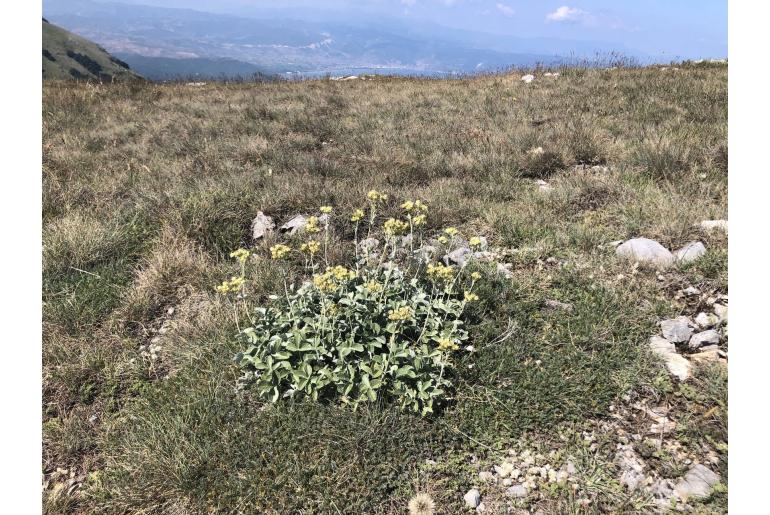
[
  {"x": 566, "y": 13},
  {"x": 505, "y": 10}
]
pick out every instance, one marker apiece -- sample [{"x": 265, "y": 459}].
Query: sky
[{"x": 660, "y": 28}]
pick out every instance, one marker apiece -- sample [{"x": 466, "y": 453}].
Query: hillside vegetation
[
  {"x": 147, "y": 188},
  {"x": 67, "y": 56}
]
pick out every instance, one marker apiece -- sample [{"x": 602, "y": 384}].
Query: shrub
[{"x": 383, "y": 330}]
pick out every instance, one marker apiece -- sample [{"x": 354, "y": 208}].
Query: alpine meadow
[{"x": 500, "y": 293}]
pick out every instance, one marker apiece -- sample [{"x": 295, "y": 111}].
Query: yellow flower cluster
[
  {"x": 400, "y": 314},
  {"x": 443, "y": 240},
  {"x": 414, "y": 205},
  {"x": 358, "y": 214},
  {"x": 451, "y": 231},
  {"x": 311, "y": 226},
  {"x": 326, "y": 209},
  {"x": 447, "y": 344},
  {"x": 441, "y": 272},
  {"x": 332, "y": 309},
  {"x": 376, "y": 196},
  {"x": 241, "y": 255},
  {"x": 471, "y": 297},
  {"x": 475, "y": 276},
  {"x": 310, "y": 247},
  {"x": 279, "y": 251},
  {"x": 233, "y": 285},
  {"x": 418, "y": 220},
  {"x": 328, "y": 281},
  {"x": 475, "y": 242},
  {"x": 373, "y": 286},
  {"x": 394, "y": 227}
]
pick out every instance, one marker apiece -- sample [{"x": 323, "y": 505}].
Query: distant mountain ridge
[
  {"x": 287, "y": 46},
  {"x": 68, "y": 56}
]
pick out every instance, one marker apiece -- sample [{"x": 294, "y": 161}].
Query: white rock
[
  {"x": 697, "y": 483},
  {"x": 721, "y": 312},
  {"x": 691, "y": 290},
  {"x": 555, "y": 305},
  {"x": 504, "y": 269},
  {"x": 294, "y": 225},
  {"x": 676, "y": 330},
  {"x": 698, "y": 340},
  {"x": 472, "y": 498},
  {"x": 528, "y": 78},
  {"x": 690, "y": 252},
  {"x": 486, "y": 476},
  {"x": 517, "y": 491},
  {"x": 631, "y": 467},
  {"x": 706, "y": 320},
  {"x": 504, "y": 470},
  {"x": 645, "y": 251},
  {"x": 551, "y": 74},
  {"x": 261, "y": 225},
  {"x": 710, "y": 225},
  {"x": 458, "y": 256},
  {"x": 677, "y": 365}
]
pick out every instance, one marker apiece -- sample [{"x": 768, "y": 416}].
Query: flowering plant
[{"x": 382, "y": 329}]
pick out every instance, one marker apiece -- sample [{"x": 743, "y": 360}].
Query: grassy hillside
[
  {"x": 67, "y": 56},
  {"x": 147, "y": 188}
]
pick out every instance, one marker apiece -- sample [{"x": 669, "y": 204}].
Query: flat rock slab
[
  {"x": 677, "y": 365},
  {"x": 676, "y": 330},
  {"x": 690, "y": 252},
  {"x": 645, "y": 251},
  {"x": 704, "y": 338},
  {"x": 697, "y": 483},
  {"x": 517, "y": 491},
  {"x": 261, "y": 225}
]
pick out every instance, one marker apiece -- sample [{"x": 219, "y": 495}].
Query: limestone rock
[
  {"x": 708, "y": 337},
  {"x": 697, "y": 483},
  {"x": 528, "y": 78},
  {"x": 294, "y": 225},
  {"x": 706, "y": 320},
  {"x": 261, "y": 225},
  {"x": 690, "y": 252},
  {"x": 676, "y": 364},
  {"x": 631, "y": 467},
  {"x": 645, "y": 251},
  {"x": 517, "y": 491},
  {"x": 472, "y": 498},
  {"x": 711, "y": 225},
  {"x": 676, "y": 330}
]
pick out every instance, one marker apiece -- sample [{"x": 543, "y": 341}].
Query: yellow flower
[
  {"x": 241, "y": 255},
  {"x": 223, "y": 288},
  {"x": 400, "y": 314},
  {"x": 440, "y": 272},
  {"x": 395, "y": 227},
  {"x": 310, "y": 247},
  {"x": 329, "y": 280},
  {"x": 443, "y": 240},
  {"x": 279, "y": 251},
  {"x": 470, "y": 297},
  {"x": 376, "y": 196},
  {"x": 326, "y": 209},
  {"x": 447, "y": 344},
  {"x": 418, "y": 220},
  {"x": 373, "y": 286},
  {"x": 408, "y": 205},
  {"x": 324, "y": 282},
  {"x": 419, "y": 206},
  {"x": 358, "y": 214},
  {"x": 311, "y": 227},
  {"x": 475, "y": 242},
  {"x": 451, "y": 231},
  {"x": 233, "y": 285},
  {"x": 475, "y": 276},
  {"x": 236, "y": 282}
]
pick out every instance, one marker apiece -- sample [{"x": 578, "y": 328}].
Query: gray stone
[
  {"x": 676, "y": 364},
  {"x": 261, "y": 225},
  {"x": 676, "y": 330},
  {"x": 517, "y": 491},
  {"x": 472, "y": 498},
  {"x": 662, "y": 491},
  {"x": 486, "y": 476},
  {"x": 697, "y": 483},
  {"x": 721, "y": 312},
  {"x": 631, "y": 467},
  {"x": 711, "y": 225},
  {"x": 504, "y": 269},
  {"x": 706, "y": 320},
  {"x": 458, "y": 256},
  {"x": 691, "y": 290},
  {"x": 555, "y": 305},
  {"x": 645, "y": 251},
  {"x": 708, "y": 337},
  {"x": 690, "y": 252},
  {"x": 528, "y": 78},
  {"x": 294, "y": 225}
]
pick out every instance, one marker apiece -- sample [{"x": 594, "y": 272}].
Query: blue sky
[{"x": 675, "y": 28}]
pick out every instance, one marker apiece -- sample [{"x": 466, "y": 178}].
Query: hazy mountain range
[{"x": 152, "y": 39}]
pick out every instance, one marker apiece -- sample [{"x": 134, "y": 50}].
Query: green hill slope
[{"x": 67, "y": 56}]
